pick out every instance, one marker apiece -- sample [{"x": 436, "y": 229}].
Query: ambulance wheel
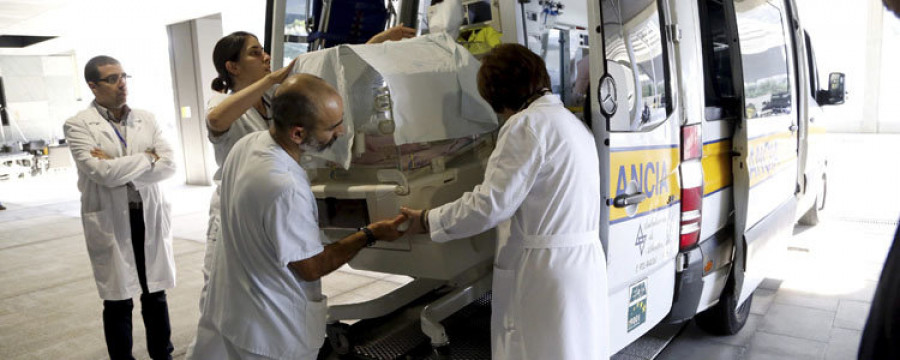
[
  {"x": 339, "y": 337},
  {"x": 725, "y": 318},
  {"x": 812, "y": 215}
]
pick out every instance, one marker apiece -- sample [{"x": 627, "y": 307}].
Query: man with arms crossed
[{"x": 121, "y": 157}]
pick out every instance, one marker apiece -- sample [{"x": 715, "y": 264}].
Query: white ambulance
[{"x": 706, "y": 115}]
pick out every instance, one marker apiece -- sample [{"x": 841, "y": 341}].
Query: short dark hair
[
  {"x": 92, "y": 68},
  {"x": 227, "y": 49},
  {"x": 294, "y": 108},
  {"x": 893, "y": 6},
  {"x": 511, "y": 74}
]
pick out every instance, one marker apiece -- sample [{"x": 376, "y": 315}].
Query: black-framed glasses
[{"x": 114, "y": 78}]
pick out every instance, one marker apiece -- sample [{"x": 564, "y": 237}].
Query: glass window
[
  {"x": 295, "y": 33},
  {"x": 636, "y": 59},
  {"x": 811, "y": 63},
  {"x": 763, "y": 58},
  {"x": 721, "y": 100}
]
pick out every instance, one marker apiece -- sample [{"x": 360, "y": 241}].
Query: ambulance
[{"x": 707, "y": 115}]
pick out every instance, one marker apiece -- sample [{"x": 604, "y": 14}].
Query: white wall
[
  {"x": 888, "y": 114},
  {"x": 860, "y": 39},
  {"x": 144, "y": 53},
  {"x": 41, "y": 91},
  {"x": 840, "y": 45},
  {"x": 135, "y": 34}
]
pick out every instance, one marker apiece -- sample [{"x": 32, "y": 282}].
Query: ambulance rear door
[
  {"x": 764, "y": 161},
  {"x": 633, "y": 111}
]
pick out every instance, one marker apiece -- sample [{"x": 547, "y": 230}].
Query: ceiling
[{"x": 74, "y": 20}]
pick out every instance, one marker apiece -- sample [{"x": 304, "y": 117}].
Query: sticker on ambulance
[{"x": 637, "y": 304}]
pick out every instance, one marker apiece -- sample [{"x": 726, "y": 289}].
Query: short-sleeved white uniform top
[{"x": 269, "y": 219}]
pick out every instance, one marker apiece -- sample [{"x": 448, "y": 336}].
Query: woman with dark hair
[
  {"x": 244, "y": 84},
  {"x": 549, "y": 282},
  {"x": 243, "y": 87},
  {"x": 240, "y": 107}
]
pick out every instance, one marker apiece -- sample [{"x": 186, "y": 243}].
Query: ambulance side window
[
  {"x": 722, "y": 101},
  {"x": 764, "y": 59},
  {"x": 636, "y": 59},
  {"x": 813, "y": 69}
]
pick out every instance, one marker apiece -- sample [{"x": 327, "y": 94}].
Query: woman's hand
[
  {"x": 395, "y": 33},
  {"x": 279, "y": 75},
  {"x": 417, "y": 224}
]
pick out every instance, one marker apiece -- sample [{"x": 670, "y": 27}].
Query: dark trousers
[
  {"x": 879, "y": 337},
  {"x": 154, "y": 309}
]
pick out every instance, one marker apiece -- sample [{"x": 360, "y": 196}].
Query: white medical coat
[
  {"x": 549, "y": 282},
  {"x": 104, "y": 200},
  {"x": 269, "y": 219},
  {"x": 250, "y": 121}
]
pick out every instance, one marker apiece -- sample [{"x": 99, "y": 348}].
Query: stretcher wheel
[
  {"x": 339, "y": 337},
  {"x": 441, "y": 352}
]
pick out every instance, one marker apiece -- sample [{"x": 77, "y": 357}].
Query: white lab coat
[
  {"x": 549, "y": 282},
  {"x": 104, "y": 200}
]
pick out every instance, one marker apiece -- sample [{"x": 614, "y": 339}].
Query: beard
[{"x": 310, "y": 144}]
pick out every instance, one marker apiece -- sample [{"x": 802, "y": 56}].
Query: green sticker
[
  {"x": 638, "y": 291},
  {"x": 637, "y": 314}
]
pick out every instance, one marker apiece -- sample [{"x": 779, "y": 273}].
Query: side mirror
[{"x": 835, "y": 93}]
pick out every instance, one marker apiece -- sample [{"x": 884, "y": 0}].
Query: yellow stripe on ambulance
[
  {"x": 769, "y": 154},
  {"x": 655, "y": 172}
]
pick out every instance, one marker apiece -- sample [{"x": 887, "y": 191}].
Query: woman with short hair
[{"x": 549, "y": 282}]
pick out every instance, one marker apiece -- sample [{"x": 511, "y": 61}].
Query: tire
[
  {"x": 725, "y": 318},
  {"x": 811, "y": 217}
]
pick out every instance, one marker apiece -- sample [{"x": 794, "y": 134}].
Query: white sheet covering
[{"x": 432, "y": 82}]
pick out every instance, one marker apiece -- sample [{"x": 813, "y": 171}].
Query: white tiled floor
[{"x": 47, "y": 292}]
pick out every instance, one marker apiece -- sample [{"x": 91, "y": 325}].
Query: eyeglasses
[{"x": 114, "y": 78}]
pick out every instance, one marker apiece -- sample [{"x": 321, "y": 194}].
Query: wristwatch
[{"x": 370, "y": 236}]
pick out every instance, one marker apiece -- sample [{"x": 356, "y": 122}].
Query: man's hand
[
  {"x": 153, "y": 154},
  {"x": 395, "y": 33},
  {"x": 279, "y": 75},
  {"x": 386, "y": 230},
  {"x": 97, "y": 153},
  {"x": 415, "y": 220}
]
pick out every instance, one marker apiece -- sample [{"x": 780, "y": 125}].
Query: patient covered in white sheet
[{"x": 405, "y": 103}]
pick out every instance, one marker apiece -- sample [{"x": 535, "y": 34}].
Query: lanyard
[{"x": 116, "y": 129}]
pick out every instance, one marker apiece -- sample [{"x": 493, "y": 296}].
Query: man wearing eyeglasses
[{"x": 121, "y": 157}]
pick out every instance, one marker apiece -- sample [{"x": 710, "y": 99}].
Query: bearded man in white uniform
[
  {"x": 549, "y": 283},
  {"x": 265, "y": 296}
]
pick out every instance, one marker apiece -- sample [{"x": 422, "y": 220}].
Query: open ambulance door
[
  {"x": 764, "y": 160},
  {"x": 633, "y": 112}
]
